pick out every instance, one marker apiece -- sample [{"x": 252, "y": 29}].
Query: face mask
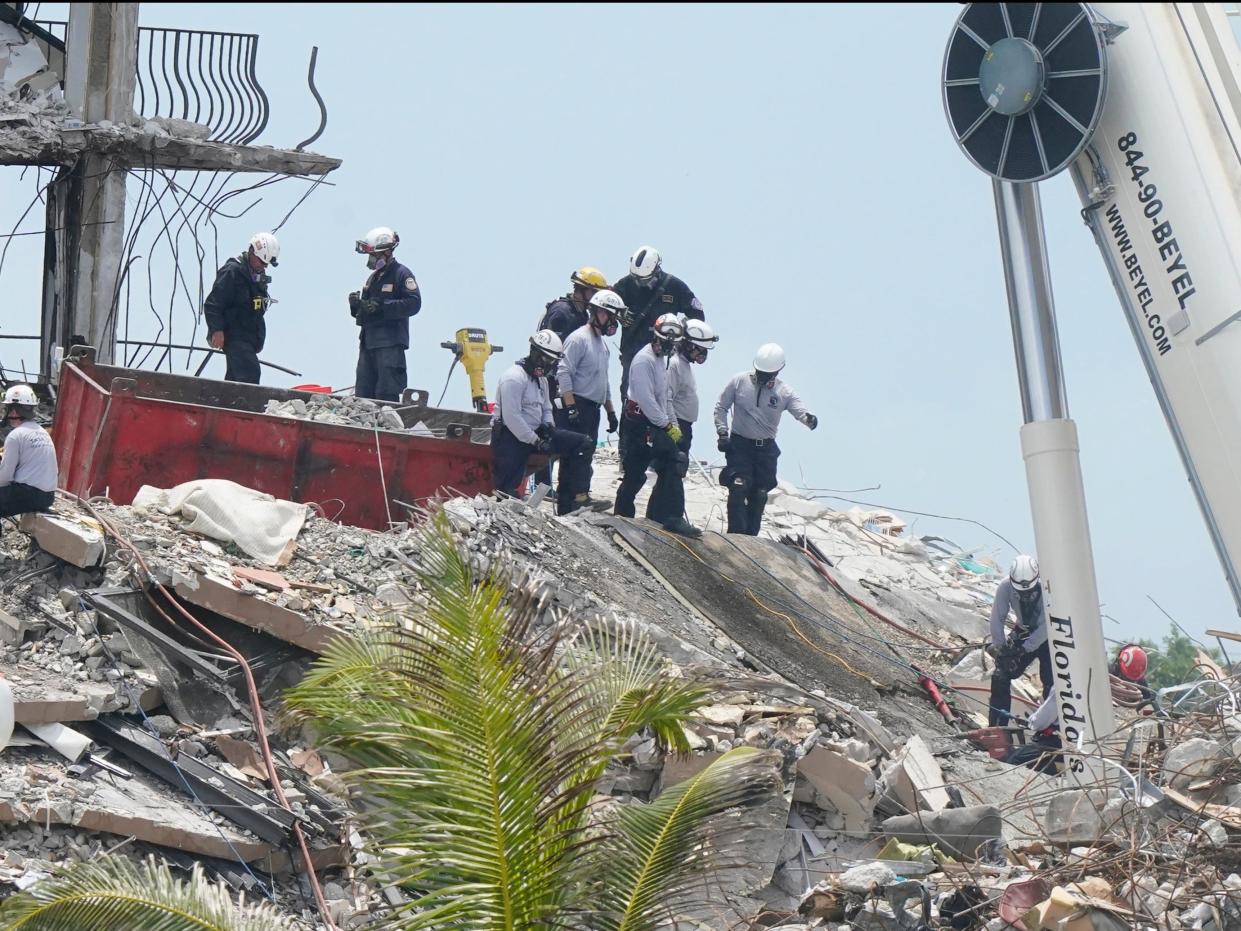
[
  {"x": 649, "y": 283},
  {"x": 765, "y": 379},
  {"x": 375, "y": 262}
]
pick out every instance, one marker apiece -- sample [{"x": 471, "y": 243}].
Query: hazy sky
[{"x": 793, "y": 165}]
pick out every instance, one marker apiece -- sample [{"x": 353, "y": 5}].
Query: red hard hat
[{"x": 1132, "y": 662}]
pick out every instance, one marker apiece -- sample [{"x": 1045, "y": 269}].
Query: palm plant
[
  {"x": 112, "y": 892},
  {"x": 480, "y": 739}
]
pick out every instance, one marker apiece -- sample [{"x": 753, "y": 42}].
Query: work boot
[
  {"x": 591, "y": 503},
  {"x": 681, "y": 526}
]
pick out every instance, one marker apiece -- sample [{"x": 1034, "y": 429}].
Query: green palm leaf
[
  {"x": 115, "y": 893},
  {"x": 659, "y": 852}
]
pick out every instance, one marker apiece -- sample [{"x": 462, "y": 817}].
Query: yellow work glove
[{"x": 674, "y": 431}]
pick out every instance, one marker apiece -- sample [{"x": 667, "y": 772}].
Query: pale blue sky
[{"x": 794, "y": 167}]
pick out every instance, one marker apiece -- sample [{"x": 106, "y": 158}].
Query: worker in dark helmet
[
  {"x": 382, "y": 309},
  {"x": 237, "y": 305},
  {"x": 654, "y": 436},
  {"x": 562, "y": 316},
  {"x": 522, "y": 423},
  {"x": 28, "y": 470},
  {"x": 586, "y": 394},
  {"x": 1021, "y": 592},
  {"x": 757, "y": 400},
  {"x": 649, "y": 292}
]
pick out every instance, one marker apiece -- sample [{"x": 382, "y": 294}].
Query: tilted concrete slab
[{"x": 76, "y": 541}]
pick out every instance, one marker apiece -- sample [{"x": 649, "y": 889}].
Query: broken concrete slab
[
  {"x": 846, "y": 784},
  {"x": 1191, "y": 760},
  {"x": 959, "y": 832},
  {"x": 915, "y": 780},
  {"x": 78, "y": 541}
]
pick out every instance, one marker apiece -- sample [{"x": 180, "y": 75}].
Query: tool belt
[{"x": 633, "y": 410}]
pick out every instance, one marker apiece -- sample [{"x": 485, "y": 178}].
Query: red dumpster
[{"x": 117, "y": 429}]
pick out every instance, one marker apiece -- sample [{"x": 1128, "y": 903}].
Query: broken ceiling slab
[
  {"x": 44, "y": 141},
  {"x": 34, "y": 788},
  {"x": 39, "y": 698}
]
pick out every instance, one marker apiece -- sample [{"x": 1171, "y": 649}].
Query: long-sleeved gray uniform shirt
[
  {"x": 583, "y": 369},
  {"x": 648, "y": 387},
  {"x": 522, "y": 404},
  {"x": 29, "y": 458},
  {"x": 1033, "y": 617},
  {"x": 756, "y": 411},
  {"x": 683, "y": 389}
]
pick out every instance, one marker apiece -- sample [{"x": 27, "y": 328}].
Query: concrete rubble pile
[
  {"x": 345, "y": 411},
  {"x": 888, "y": 819}
]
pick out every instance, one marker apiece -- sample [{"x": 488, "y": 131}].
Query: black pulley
[{"x": 1024, "y": 85}]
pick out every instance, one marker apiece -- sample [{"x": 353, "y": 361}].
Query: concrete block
[
  {"x": 915, "y": 780},
  {"x": 679, "y": 768},
  {"x": 957, "y": 831},
  {"x": 845, "y": 783},
  {"x": 73, "y": 541},
  {"x": 1192, "y": 760}
]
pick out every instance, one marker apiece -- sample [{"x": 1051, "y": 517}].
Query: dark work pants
[
  {"x": 651, "y": 446},
  {"x": 544, "y": 475},
  {"x": 243, "y": 362},
  {"x": 1042, "y": 754},
  {"x": 687, "y": 435},
  {"x": 1002, "y": 682},
  {"x": 509, "y": 455},
  {"x": 749, "y": 474},
  {"x": 17, "y": 498},
  {"x": 627, "y": 426},
  {"x": 575, "y": 477},
  {"x": 381, "y": 373}
]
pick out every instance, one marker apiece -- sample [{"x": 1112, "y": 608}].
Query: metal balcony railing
[{"x": 192, "y": 74}]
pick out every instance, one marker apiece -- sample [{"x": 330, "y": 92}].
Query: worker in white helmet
[
  {"x": 1021, "y": 592},
  {"x": 28, "y": 469},
  {"x": 757, "y": 399},
  {"x": 382, "y": 309},
  {"x": 236, "y": 307}
]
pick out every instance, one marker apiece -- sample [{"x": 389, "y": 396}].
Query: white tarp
[{"x": 262, "y": 526}]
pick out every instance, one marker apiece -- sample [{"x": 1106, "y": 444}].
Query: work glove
[
  {"x": 995, "y": 651},
  {"x": 355, "y": 299},
  {"x": 811, "y": 421},
  {"x": 721, "y": 442},
  {"x": 544, "y": 432},
  {"x": 542, "y": 444},
  {"x": 627, "y": 318},
  {"x": 613, "y": 422},
  {"x": 368, "y": 307},
  {"x": 572, "y": 414},
  {"x": 674, "y": 431}
]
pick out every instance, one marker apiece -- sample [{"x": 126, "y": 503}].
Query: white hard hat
[
  {"x": 608, "y": 300},
  {"x": 380, "y": 239},
  {"x": 547, "y": 342},
  {"x": 668, "y": 328},
  {"x": 266, "y": 247},
  {"x": 1023, "y": 573},
  {"x": 644, "y": 262},
  {"x": 769, "y": 358},
  {"x": 21, "y": 394},
  {"x": 699, "y": 334}
]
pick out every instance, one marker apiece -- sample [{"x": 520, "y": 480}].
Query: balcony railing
[{"x": 191, "y": 74}]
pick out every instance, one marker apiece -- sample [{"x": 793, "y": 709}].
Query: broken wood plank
[{"x": 1225, "y": 814}]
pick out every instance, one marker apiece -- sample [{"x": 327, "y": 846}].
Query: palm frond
[
  {"x": 113, "y": 892},
  {"x": 659, "y": 853}
]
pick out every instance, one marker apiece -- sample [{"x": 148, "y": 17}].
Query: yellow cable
[{"x": 786, "y": 618}]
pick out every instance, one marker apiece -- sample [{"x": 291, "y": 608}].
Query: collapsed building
[{"x": 135, "y": 737}]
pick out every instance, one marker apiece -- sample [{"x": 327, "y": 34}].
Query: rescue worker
[
  {"x": 1022, "y": 593},
  {"x": 1044, "y": 723},
  {"x": 562, "y": 316},
  {"x": 585, "y": 392},
  {"x": 757, "y": 400},
  {"x": 649, "y": 292},
  {"x": 28, "y": 469},
  {"x": 655, "y": 435},
  {"x": 691, "y": 350},
  {"x": 236, "y": 307},
  {"x": 382, "y": 309},
  {"x": 521, "y": 423}
]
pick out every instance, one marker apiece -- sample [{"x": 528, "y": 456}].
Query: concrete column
[{"x": 86, "y": 206}]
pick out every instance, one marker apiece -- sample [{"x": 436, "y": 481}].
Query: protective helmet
[
  {"x": 21, "y": 394},
  {"x": 667, "y": 330},
  {"x": 769, "y": 359},
  {"x": 545, "y": 348},
  {"x": 380, "y": 239},
  {"x": 644, "y": 263},
  {"x": 697, "y": 333},
  {"x": 1023, "y": 573},
  {"x": 265, "y": 247},
  {"x": 589, "y": 277},
  {"x": 609, "y": 301},
  {"x": 1132, "y": 662}
]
